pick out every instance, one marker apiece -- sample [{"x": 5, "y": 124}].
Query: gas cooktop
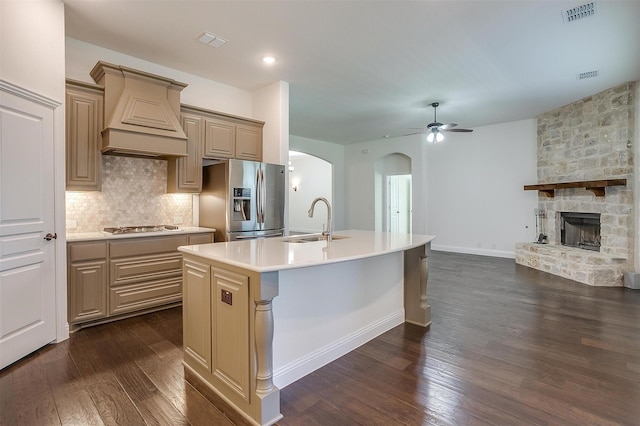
[{"x": 138, "y": 229}]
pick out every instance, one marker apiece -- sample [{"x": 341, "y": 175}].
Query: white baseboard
[
  {"x": 478, "y": 251},
  {"x": 299, "y": 368}
]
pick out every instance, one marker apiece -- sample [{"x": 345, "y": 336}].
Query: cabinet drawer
[
  {"x": 200, "y": 239},
  {"x": 130, "y": 270},
  {"x": 79, "y": 252},
  {"x": 144, "y": 246},
  {"x": 136, "y": 297}
]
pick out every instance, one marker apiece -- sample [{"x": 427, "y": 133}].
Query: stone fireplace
[{"x": 587, "y": 141}]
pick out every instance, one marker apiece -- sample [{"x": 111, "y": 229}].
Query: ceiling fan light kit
[
  {"x": 434, "y": 129},
  {"x": 435, "y": 137}
]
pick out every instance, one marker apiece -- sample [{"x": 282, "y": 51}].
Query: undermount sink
[{"x": 311, "y": 238}]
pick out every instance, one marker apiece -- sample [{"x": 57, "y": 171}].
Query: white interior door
[
  {"x": 399, "y": 203},
  {"x": 27, "y": 259},
  {"x": 393, "y": 204}
]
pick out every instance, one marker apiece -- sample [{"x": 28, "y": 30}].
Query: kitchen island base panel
[
  {"x": 309, "y": 363},
  {"x": 267, "y": 406},
  {"x": 324, "y": 312}
]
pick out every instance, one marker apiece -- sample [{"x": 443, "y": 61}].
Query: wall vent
[
  {"x": 579, "y": 12},
  {"x": 588, "y": 74}
]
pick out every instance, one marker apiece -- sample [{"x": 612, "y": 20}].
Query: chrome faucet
[{"x": 329, "y": 232}]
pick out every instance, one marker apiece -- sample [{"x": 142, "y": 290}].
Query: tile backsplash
[{"x": 133, "y": 193}]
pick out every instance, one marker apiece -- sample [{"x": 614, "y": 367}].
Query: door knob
[{"x": 51, "y": 236}]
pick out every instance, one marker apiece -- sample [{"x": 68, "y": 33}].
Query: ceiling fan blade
[
  {"x": 458, "y": 130},
  {"x": 415, "y": 133},
  {"x": 448, "y": 126}
]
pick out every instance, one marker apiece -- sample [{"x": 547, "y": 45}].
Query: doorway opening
[{"x": 393, "y": 193}]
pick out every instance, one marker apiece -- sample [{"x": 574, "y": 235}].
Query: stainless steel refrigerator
[{"x": 243, "y": 199}]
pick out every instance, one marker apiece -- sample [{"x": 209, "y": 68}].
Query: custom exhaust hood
[{"x": 141, "y": 113}]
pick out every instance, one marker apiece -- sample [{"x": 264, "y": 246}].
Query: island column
[{"x": 416, "y": 274}]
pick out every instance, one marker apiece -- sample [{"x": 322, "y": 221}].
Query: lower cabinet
[
  {"x": 196, "y": 324},
  {"x": 217, "y": 349},
  {"x": 115, "y": 277},
  {"x": 230, "y": 329},
  {"x": 87, "y": 276}
]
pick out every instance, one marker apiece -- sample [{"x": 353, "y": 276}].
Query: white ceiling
[{"x": 360, "y": 70}]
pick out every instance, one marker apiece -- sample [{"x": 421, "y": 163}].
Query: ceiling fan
[{"x": 434, "y": 129}]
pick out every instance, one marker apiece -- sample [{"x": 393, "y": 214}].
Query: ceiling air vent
[
  {"x": 579, "y": 12},
  {"x": 588, "y": 74}
]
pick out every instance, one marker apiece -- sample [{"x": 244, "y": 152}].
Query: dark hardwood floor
[{"x": 508, "y": 346}]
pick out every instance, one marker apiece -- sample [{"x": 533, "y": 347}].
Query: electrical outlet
[
  {"x": 72, "y": 224},
  {"x": 177, "y": 220}
]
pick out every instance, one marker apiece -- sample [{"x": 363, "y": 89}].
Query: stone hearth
[
  {"x": 585, "y": 266},
  {"x": 588, "y": 140}
]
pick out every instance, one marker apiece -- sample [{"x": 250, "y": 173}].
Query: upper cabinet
[
  {"x": 249, "y": 142},
  {"x": 228, "y": 136},
  {"x": 220, "y": 138},
  {"x": 212, "y": 135},
  {"x": 185, "y": 174},
  {"x": 84, "y": 115},
  {"x": 209, "y": 134}
]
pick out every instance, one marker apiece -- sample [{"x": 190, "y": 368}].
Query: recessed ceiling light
[{"x": 268, "y": 59}]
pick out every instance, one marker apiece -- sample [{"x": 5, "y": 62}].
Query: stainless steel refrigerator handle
[
  {"x": 253, "y": 237},
  {"x": 264, "y": 192},
  {"x": 259, "y": 197}
]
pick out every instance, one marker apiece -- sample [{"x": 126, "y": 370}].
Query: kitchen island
[{"x": 261, "y": 314}]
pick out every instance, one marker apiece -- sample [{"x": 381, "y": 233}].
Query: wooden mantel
[{"x": 595, "y": 186}]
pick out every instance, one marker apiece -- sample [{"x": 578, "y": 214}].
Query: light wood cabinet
[
  {"x": 194, "y": 239},
  {"x": 184, "y": 174},
  {"x": 144, "y": 273},
  {"x": 228, "y": 136},
  {"x": 219, "y": 138},
  {"x": 211, "y": 135},
  {"x": 217, "y": 348},
  {"x": 248, "y": 142},
  {"x": 84, "y": 105},
  {"x": 107, "y": 279},
  {"x": 230, "y": 330},
  {"x": 196, "y": 329},
  {"x": 87, "y": 270}
]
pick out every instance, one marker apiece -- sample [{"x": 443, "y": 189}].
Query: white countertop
[
  {"x": 274, "y": 254},
  {"x": 91, "y": 236}
]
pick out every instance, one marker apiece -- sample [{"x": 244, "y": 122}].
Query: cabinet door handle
[{"x": 51, "y": 236}]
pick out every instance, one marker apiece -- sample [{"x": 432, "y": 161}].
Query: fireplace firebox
[{"x": 581, "y": 230}]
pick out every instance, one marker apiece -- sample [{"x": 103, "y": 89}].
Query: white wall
[
  {"x": 467, "y": 191},
  {"x": 81, "y": 57},
  {"x": 476, "y": 199},
  {"x": 271, "y": 105},
  {"x": 361, "y": 178},
  {"x": 309, "y": 173},
  {"x": 32, "y": 45},
  {"x": 334, "y": 154}
]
